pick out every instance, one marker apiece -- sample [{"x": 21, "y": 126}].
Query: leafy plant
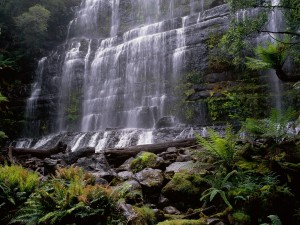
[
  {"x": 274, "y": 127},
  {"x": 218, "y": 186},
  {"x": 16, "y": 185},
  {"x": 69, "y": 198},
  {"x": 274, "y": 220},
  {"x": 222, "y": 148},
  {"x": 272, "y": 56}
]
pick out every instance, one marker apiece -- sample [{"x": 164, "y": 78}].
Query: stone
[
  {"x": 163, "y": 201},
  {"x": 131, "y": 191},
  {"x": 179, "y": 167},
  {"x": 126, "y": 165},
  {"x": 171, "y": 210},
  {"x": 125, "y": 175},
  {"x": 150, "y": 178},
  {"x": 184, "y": 158},
  {"x": 167, "y": 121},
  {"x": 98, "y": 165}
]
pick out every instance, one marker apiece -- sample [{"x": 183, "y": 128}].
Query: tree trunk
[
  {"x": 39, "y": 153},
  {"x": 119, "y": 155}
]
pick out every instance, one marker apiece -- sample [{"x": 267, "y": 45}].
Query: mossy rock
[
  {"x": 240, "y": 218},
  {"x": 185, "y": 188},
  {"x": 183, "y": 222},
  {"x": 131, "y": 192},
  {"x": 255, "y": 166},
  {"x": 144, "y": 160},
  {"x": 145, "y": 216}
]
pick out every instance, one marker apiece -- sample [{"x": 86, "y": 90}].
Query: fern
[
  {"x": 274, "y": 220},
  {"x": 274, "y": 127},
  {"x": 68, "y": 196},
  {"x": 222, "y": 148},
  {"x": 272, "y": 56},
  {"x": 218, "y": 187}
]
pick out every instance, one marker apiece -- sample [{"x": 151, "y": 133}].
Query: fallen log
[
  {"x": 117, "y": 156},
  {"x": 39, "y": 153}
]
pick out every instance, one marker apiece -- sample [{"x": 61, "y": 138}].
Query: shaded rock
[
  {"x": 167, "y": 121},
  {"x": 172, "y": 150},
  {"x": 125, "y": 165},
  {"x": 171, "y": 210},
  {"x": 98, "y": 165},
  {"x": 184, "y": 158},
  {"x": 159, "y": 215},
  {"x": 163, "y": 201},
  {"x": 150, "y": 178},
  {"x": 100, "y": 180},
  {"x": 131, "y": 191},
  {"x": 219, "y": 77},
  {"x": 125, "y": 175}
]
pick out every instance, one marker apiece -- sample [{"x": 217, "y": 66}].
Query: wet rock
[
  {"x": 184, "y": 158},
  {"x": 171, "y": 210},
  {"x": 179, "y": 166},
  {"x": 167, "y": 121},
  {"x": 131, "y": 191},
  {"x": 163, "y": 201},
  {"x": 126, "y": 165},
  {"x": 150, "y": 178},
  {"x": 98, "y": 165},
  {"x": 125, "y": 175}
]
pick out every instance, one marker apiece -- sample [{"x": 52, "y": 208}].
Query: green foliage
[
  {"x": 142, "y": 161},
  {"x": 274, "y": 220},
  {"x": 218, "y": 186},
  {"x": 16, "y": 185},
  {"x": 6, "y": 62},
  {"x": 73, "y": 108},
  {"x": 272, "y": 56},
  {"x": 145, "y": 216},
  {"x": 235, "y": 43},
  {"x": 33, "y": 24},
  {"x": 274, "y": 127},
  {"x": 240, "y": 218},
  {"x": 184, "y": 185},
  {"x": 69, "y": 198},
  {"x": 222, "y": 148}
]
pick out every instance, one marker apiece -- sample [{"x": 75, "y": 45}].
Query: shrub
[
  {"x": 69, "y": 198},
  {"x": 16, "y": 185},
  {"x": 275, "y": 127},
  {"x": 222, "y": 148}
]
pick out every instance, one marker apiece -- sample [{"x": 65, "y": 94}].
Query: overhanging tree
[{"x": 284, "y": 43}]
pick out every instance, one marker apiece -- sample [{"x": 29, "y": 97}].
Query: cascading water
[{"x": 119, "y": 68}]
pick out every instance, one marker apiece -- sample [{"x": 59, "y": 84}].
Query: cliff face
[{"x": 122, "y": 63}]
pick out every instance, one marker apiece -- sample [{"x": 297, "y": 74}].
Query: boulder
[
  {"x": 166, "y": 121},
  {"x": 151, "y": 179}
]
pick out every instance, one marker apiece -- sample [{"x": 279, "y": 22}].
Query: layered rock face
[{"x": 121, "y": 63}]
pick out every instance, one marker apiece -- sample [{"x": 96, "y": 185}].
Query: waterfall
[
  {"x": 116, "y": 73},
  {"x": 275, "y": 24}
]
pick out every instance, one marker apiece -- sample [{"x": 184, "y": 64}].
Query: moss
[
  {"x": 184, "y": 189},
  {"x": 240, "y": 218},
  {"x": 183, "y": 183},
  {"x": 145, "y": 216},
  {"x": 183, "y": 222},
  {"x": 256, "y": 166},
  {"x": 142, "y": 161}
]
